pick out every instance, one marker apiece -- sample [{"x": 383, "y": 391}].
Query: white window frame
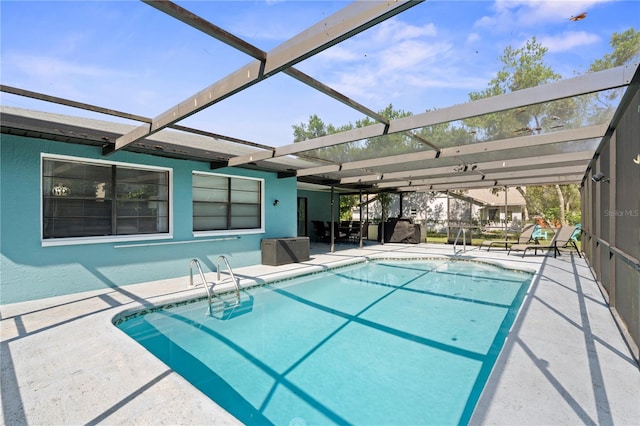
[
  {"x": 49, "y": 242},
  {"x": 228, "y": 232}
]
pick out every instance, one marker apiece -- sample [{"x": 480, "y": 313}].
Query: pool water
[{"x": 385, "y": 342}]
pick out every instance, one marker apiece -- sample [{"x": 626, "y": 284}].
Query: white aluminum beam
[
  {"x": 491, "y": 177},
  {"x": 360, "y": 179},
  {"x": 318, "y": 170},
  {"x": 543, "y": 180},
  {"x": 404, "y": 175},
  {"x": 550, "y": 171},
  {"x": 533, "y": 162},
  {"x": 568, "y": 159},
  {"x": 374, "y": 162},
  {"x": 383, "y": 161},
  {"x": 588, "y": 83},
  {"x": 590, "y": 132},
  {"x": 581, "y": 133},
  {"x": 467, "y": 177},
  {"x": 531, "y": 181},
  {"x": 576, "y": 86},
  {"x": 352, "y": 19},
  {"x": 191, "y": 19},
  {"x": 343, "y": 137},
  {"x": 346, "y": 136}
]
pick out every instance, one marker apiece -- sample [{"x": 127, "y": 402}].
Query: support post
[
  {"x": 448, "y": 216},
  {"x": 505, "y": 213},
  {"x": 360, "y": 204},
  {"x": 332, "y": 247},
  {"x": 382, "y": 205}
]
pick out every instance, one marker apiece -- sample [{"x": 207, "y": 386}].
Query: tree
[
  {"x": 316, "y": 128},
  {"x": 626, "y": 49},
  {"x": 562, "y": 204},
  {"x": 353, "y": 151},
  {"x": 347, "y": 202},
  {"x": 522, "y": 68},
  {"x": 525, "y": 213},
  {"x": 397, "y": 143}
]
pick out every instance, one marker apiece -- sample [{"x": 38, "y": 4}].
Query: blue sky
[{"x": 128, "y": 56}]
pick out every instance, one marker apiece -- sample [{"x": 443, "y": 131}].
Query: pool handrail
[
  {"x": 204, "y": 281},
  {"x": 464, "y": 241},
  {"x": 233, "y": 277}
]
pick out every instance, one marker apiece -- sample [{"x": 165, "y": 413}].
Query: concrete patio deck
[{"x": 564, "y": 362}]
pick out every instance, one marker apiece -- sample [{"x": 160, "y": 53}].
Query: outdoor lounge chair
[
  {"x": 525, "y": 237},
  {"x": 573, "y": 239},
  {"x": 565, "y": 237}
]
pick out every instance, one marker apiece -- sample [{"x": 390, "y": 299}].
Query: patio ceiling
[{"x": 389, "y": 155}]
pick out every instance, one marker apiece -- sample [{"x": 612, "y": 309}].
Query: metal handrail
[
  {"x": 233, "y": 277},
  {"x": 464, "y": 241},
  {"x": 204, "y": 280}
]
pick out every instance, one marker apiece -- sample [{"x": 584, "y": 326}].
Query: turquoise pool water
[{"x": 377, "y": 343}]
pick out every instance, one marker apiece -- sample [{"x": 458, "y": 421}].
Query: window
[
  {"x": 81, "y": 198},
  {"x": 222, "y": 203}
]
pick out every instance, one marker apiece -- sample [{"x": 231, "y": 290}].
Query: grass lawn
[{"x": 442, "y": 239}]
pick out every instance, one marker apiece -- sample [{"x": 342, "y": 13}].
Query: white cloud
[
  {"x": 385, "y": 68},
  {"x": 394, "y": 30},
  {"x": 473, "y": 37},
  {"x": 403, "y": 67},
  {"x": 568, "y": 40},
  {"x": 95, "y": 85},
  {"x": 450, "y": 80},
  {"x": 396, "y": 61},
  {"x": 340, "y": 54},
  {"x": 410, "y": 54},
  {"x": 514, "y": 14},
  {"x": 53, "y": 68}
]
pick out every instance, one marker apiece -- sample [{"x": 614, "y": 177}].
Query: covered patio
[
  {"x": 564, "y": 361},
  {"x": 572, "y": 355}
]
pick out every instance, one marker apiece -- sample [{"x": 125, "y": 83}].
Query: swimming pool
[{"x": 384, "y": 342}]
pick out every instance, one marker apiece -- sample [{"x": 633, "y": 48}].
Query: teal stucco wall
[
  {"x": 319, "y": 207},
  {"x": 30, "y": 271}
]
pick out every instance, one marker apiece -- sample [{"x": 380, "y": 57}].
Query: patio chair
[
  {"x": 573, "y": 240},
  {"x": 563, "y": 238},
  {"x": 538, "y": 233},
  {"x": 340, "y": 234},
  {"x": 321, "y": 231},
  {"x": 525, "y": 237}
]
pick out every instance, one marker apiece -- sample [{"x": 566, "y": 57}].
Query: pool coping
[
  {"x": 63, "y": 360},
  {"x": 227, "y": 287}
]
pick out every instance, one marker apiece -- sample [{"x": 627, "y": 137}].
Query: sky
[{"x": 128, "y": 56}]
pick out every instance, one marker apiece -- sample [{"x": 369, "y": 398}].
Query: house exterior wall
[
  {"x": 319, "y": 208},
  {"x": 319, "y": 205},
  {"x": 431, "y": 211},
  {"x": 30, "y": 271}
]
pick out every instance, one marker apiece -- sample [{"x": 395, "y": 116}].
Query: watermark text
[{"x": 622, "y": 213}]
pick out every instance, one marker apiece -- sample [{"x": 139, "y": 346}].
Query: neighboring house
[
  {"x": 473, "y": 207},
  {"x": 491, "y": 206}
]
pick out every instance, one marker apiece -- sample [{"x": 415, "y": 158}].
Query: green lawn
[{"x": 442, "y": 238}]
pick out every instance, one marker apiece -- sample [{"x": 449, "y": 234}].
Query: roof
[
  {"x": 485, "y": 197},
  {"x": 406, "y": 154}
]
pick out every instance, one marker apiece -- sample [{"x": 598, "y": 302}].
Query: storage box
[{"x": 280, "y": 251}]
